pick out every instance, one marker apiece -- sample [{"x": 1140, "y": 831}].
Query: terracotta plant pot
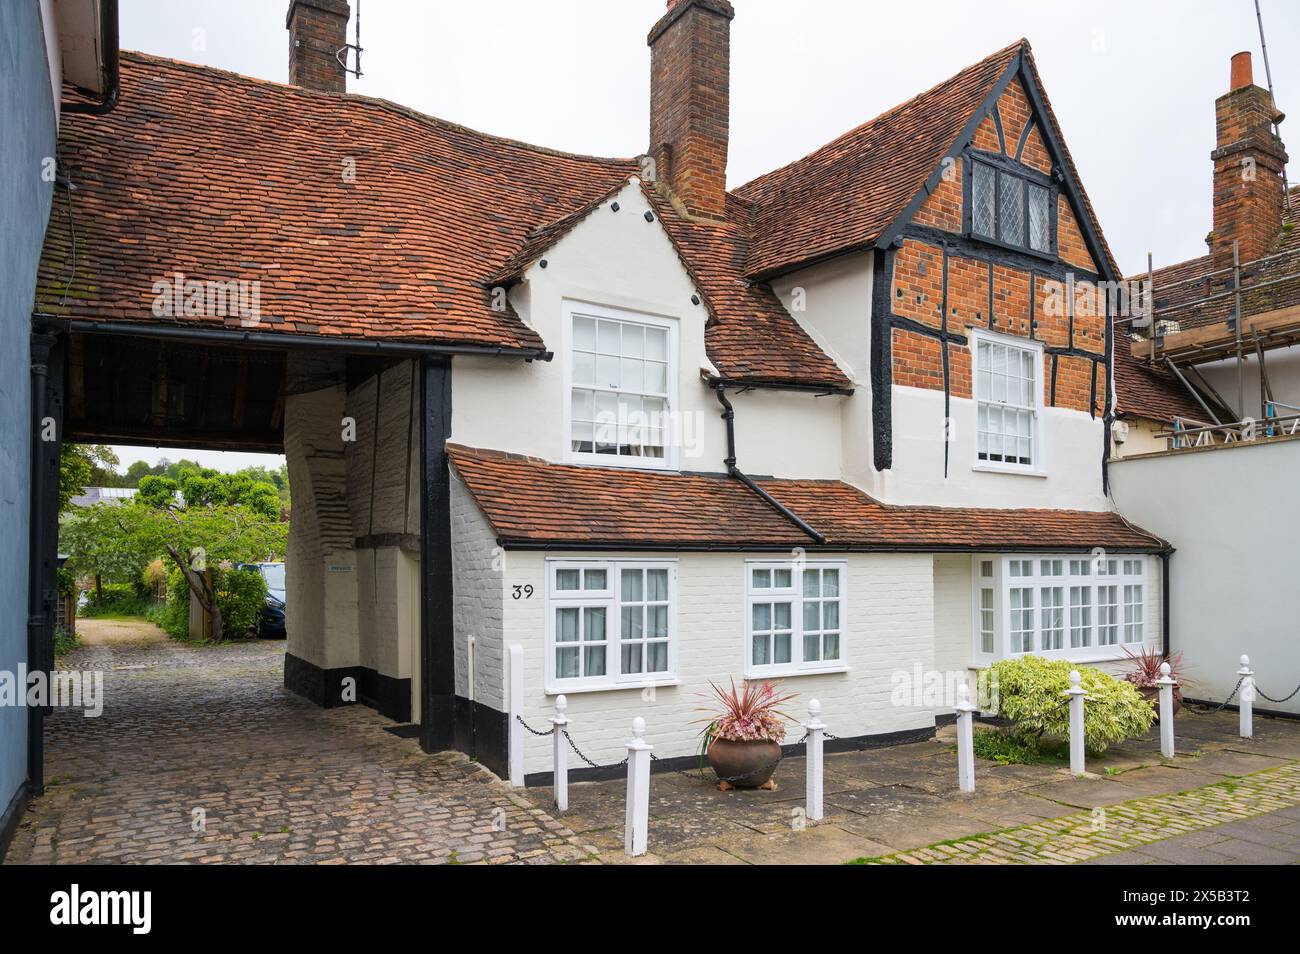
[
  {"x": 1152, "y": 694},
  {"x": 744, "y": 764}
]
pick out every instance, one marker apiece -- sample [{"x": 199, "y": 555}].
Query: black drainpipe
[
  {"x": 729, "y": 415},
  {"x": 36, "y": 570},
  {"x": 108, "y": 45}
]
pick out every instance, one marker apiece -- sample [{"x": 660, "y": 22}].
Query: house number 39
[{"x": 524, "y": 592}]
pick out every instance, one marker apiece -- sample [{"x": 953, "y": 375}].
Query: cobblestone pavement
[
  {"x": 901, "y": 804},
  {"x": 212, "y": 730}
]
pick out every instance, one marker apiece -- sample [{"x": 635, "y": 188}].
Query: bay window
[
  {"x": 1058, "y": 606},
  {"x": 620, "y": 375},
  {"x": 610, "y": 623},
  {"x": 795, "y": 617}
]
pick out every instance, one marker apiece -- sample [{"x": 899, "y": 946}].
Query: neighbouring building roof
[
  {"x": 530, "y": 502},
  {"x": 95, "y": 495},
  {"x": 1154, "y": 393}
]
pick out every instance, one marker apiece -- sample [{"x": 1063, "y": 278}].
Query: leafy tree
[{"x": 77, "y": 467}]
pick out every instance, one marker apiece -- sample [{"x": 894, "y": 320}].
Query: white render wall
[
  {"x": 953, "y": 611},
  {"x": 1230, "y": 514},
  {"x": 1071, "y": 447},
  {"x": 618, "y": 260},
  {"x": 889, "y": 629}
]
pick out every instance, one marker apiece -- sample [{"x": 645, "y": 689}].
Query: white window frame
[
  {"x": 573, "y": 308},
  {"x": 1076, "y": 570},
  {"x": 1037, "y": 466},
  {"x": 610, "y": 599},
  {"x": 793, "y": 594}
]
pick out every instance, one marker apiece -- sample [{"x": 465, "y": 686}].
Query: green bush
[
  {"x": 65, "y": 640},
  {"x": 115, "y": 599},
  {"x": 240, "y": 595},
  {"x": 1030, "y": 689},
  {"x": 1008, "y": 748}
]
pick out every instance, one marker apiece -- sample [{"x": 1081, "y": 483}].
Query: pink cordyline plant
[
  {"x": 750, "y": 714},
  {"x": 1146, "y": 667}
]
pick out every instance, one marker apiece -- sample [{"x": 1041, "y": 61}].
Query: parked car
[{"x": 270, "y": 622}]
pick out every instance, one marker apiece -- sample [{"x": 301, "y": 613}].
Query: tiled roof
[
  {"x": 221, "y": 176},
  {"x": 535, "y": 503},
  {"x": 844, "y": 195},
  {"x": 1152, "y": 393}
]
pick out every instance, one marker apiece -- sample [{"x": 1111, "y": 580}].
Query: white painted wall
[
  {"x": 619, "y": 260},
  {"x": 953, "y": 608},
  {"x": 889, "y": 628},
  {"x": 1230, "y": 512},
  {"x": 1282, "y": 366},
  {"x": 477, "y": 605},
  {"x": 1071, "y": 446}
]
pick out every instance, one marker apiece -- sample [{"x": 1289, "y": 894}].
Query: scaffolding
[{"x": 1232, "y": 312}]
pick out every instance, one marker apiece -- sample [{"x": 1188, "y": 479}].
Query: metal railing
[{"x": 1181, "y": 437}]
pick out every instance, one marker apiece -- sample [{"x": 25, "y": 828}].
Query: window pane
[
  {"x": 762, "y": 616},
  {"x": 633, "y": 341},
  {"x": 782, "y": 648},
  {"x": 593, "y": 661},
  {"x": 1011, "y": 209},
  {"x": 656, "y": 344},
  {"x": 812, "y": 648},
  {"x": 1040, "y": 239},
  {"x": 762, "y": 650},
  {"x": 831, "y": 614},
  {"x": 812, "y": 615},
  {"x": 594, "y": 580},
  {"x": 782, "y": 615},
  {"x": 1080, "y": 616},
  {"x": 830, "y": 582},
  {"x": 633, "y": 622},
  {"x": 811, "y": 583},
  {"x": 781, "y": 579},
  {"x": 986, "y": 569},
  {"x": 831, "y": 646},
  {"x": 566, "y": 663},
  {"x": 593, "y": 624},
  {"x": 567, "y": 579},
  {"x": 608, "y": 338},
  {"x": 656, "y": 377},
  {"x": 607, "y": 371},
  {"x": 656, "y": 584},
  {"x": 656, "y": 621},
  {"x": 982, "y": 198},
  {"x": 656, "y": 657},
  {"x": 1051, "y": 618},
  {"x": 584, "y": 334},
  {"x": 762, "y": 579},
  {"x": 631, "y": 586},
  {"x": 566, "y": 624},
  {"x": 632, "y": 658}
]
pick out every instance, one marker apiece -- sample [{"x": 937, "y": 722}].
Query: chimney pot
[{"x": 1242, "y": 71}]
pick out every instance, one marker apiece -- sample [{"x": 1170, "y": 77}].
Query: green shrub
[
  {"x": 1030, "y": 695},
  {"x": 115, "y": 599},
  {"x": 240, "y": 595},
  {"x": 65, "y": 640}
]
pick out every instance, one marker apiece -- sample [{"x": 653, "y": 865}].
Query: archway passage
[{"x": 368, "y": 567}]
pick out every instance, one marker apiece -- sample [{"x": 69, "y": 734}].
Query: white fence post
[
  {"x": 1245, "y": 711},
  {"x": 965, "y": 739},
  {"x": 637, "y": 821},
  {"x": 1076, "y": 694},
  {"x": 813, "y": 763},
  {"x": 1166, "y": 684},
  {"x": 559, "y": 754},
  {"x": 516, "y": 706}
]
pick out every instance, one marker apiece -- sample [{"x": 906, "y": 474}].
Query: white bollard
[
  {"x": 814, "y": 762},
  {"x": 637, "y": 821},
  {"x": 1246, "y": 711},
  {"x": 965, "y": 739},
  {"x": 560, "y": 754},
  {"x": 516, "y": 731},
  {"x": 1166, "y": 684},
  {"x": 1076, "y": 694}
]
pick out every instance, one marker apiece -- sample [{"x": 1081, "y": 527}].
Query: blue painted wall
[{"x": 27, "y": 136}]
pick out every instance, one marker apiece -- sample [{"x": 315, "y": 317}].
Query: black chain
[
  {"x": 550, "y": 731},
  {"x": 1224, "y": 704},
  {"x": 577, "y": 751},
  {"x": 1271, "y": 699}
]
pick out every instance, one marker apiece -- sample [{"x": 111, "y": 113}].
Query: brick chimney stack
[
  {"x": 1248, "y": 162},
  {"x": 690, "y": 102},
  {"x": 317, "y": 31}
]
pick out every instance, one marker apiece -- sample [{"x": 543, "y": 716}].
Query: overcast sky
[{"x": 1133, "y": 83}]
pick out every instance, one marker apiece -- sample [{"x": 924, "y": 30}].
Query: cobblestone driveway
[{"x": 279, "y": 779}]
